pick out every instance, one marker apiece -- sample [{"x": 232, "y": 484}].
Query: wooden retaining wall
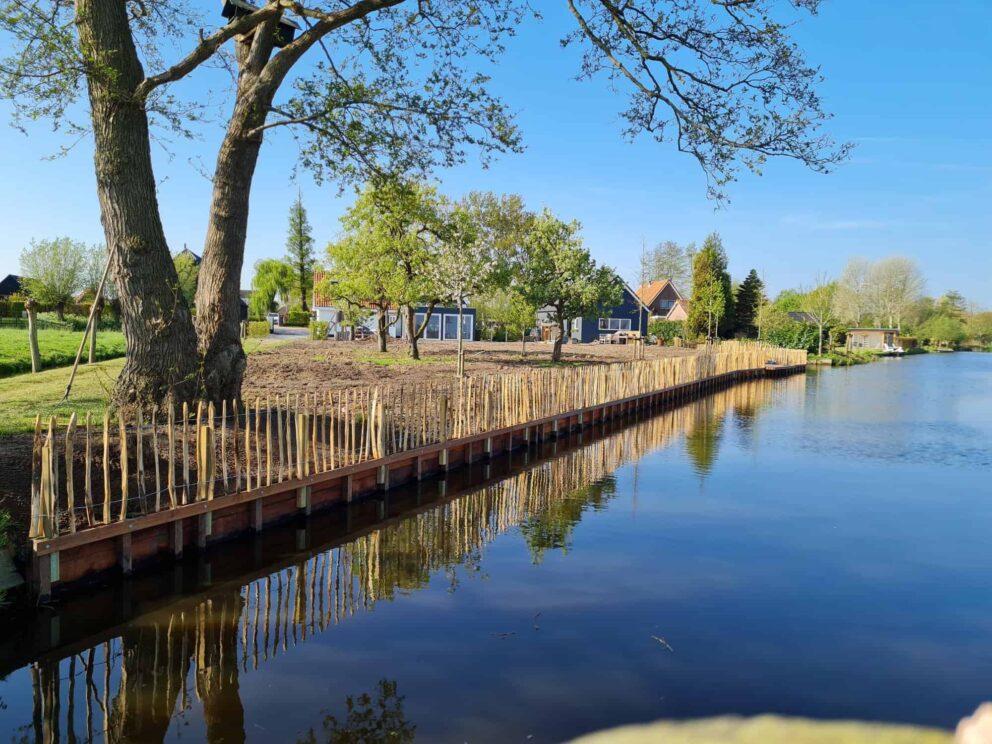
[{"x": 70, "y": 560}]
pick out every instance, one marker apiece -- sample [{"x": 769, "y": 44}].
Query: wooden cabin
[{"x": 871, "y": 338}]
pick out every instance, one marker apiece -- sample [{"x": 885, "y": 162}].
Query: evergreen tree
[
  {"x": 299, "y": 248},
  {"x": 711, "y": 310},
  {"x": 746, "y": 303}
]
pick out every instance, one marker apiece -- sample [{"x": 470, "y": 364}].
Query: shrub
[
  {"x": 11, "y": 309},
  {"x": 318, "y": 329},
  {"x": 298, "y": 318},
  {"x": 666, "y": 329},
  {"x": 907, "y": 342},
  {"x": 258, "y": 328}
]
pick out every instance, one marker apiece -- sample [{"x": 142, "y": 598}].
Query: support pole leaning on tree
[{"x": 89, "y": 327}]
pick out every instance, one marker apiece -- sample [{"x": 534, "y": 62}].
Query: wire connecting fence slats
[{"x": 167, "y": 458}]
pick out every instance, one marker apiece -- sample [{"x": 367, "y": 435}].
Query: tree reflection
[
  {"x": 193, "y": 652},
  {"x": 552, "y": 528},
  {"x": 367, "y": 721},
  {"x": 702, "y": 441}
]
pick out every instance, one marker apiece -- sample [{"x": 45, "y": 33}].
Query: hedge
[
  {"x": 258, "y": 328},
  {"x": 298, "y": 318},
  {"x": 666, "y": 329},
  {"x": 11, "y": 309}
]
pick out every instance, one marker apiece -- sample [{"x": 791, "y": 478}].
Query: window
[
  {"x": 468, "y": 327},
  {"x": 666, "y": 304},
  {"x": 450, "y": 327},
  {"x": 614, "y": 324},
  {"x": 433, "y": 330}
]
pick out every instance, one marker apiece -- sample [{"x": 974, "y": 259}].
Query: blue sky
[{"x": 908, "y": 82}]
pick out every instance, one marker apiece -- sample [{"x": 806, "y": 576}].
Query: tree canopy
[
  {"x": 403, "y": 89},
  {"x": 54, "y": 270},
  {"x": 556, "y": 271}
]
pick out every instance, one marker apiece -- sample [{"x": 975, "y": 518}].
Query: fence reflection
[{"x": 192, "y": 654}]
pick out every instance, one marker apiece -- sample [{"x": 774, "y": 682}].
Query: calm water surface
[{"x": 818, "y": 546}]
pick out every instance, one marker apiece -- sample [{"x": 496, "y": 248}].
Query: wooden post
[
  {"x": 258, "y": 441},
  {"x": 256, "y": 515},
  {"x": 185, "y": 453},
  {"x": 223, "y": 441},
  {"x": 235, "y": 439},
  {"x": 247, "y": 446},
  {"x": 158, "y": 469},
  {"x": 106, "y": 468},
  {"x": 88, "y": 495},
  {"x": 170, "y": 480},
  {"x": 35, "y": 528},
  {"x": 32, "y": 308},
  {"x": 268, "y": 442},
  {"x": 126, "y": 561},
  {"x": 279, "y": 436},
  {"x": 70, "y": 494},
  {"x": 139, "y": 453},
  {"x": 124, "y": 469}
]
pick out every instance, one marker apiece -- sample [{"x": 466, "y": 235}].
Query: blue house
[{"x": 630, "y": 315}]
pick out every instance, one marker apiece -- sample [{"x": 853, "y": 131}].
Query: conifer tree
[
  {"x": 299, "y": 250},
  {"x": 746, "y": 303}
]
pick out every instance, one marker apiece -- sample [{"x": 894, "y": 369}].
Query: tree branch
[{"x": 208, "y": 47}]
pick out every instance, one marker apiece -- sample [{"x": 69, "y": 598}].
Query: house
[
  {"x": 663, "y": 300},
  {"x": 871, "y": 338},
  {"x": 11, "y": 285},
  {"x": 442, "y": 325},
  {"x": 630, "y": 315},
  {"x": 245, "y": 295},
  {"x": 195, "y": 258}
]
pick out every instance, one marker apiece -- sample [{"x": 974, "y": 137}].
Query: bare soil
[{"x": 316, "y": 366}]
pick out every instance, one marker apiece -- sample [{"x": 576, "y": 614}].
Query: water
[{"x": 815, "y": 546}]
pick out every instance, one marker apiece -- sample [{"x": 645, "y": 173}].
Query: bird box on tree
[{"x": 236, "y": 8}]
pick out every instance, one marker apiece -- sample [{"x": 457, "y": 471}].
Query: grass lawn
[
  {"x": 25, "y": 395},
  {"x": 58, "y": 348}
]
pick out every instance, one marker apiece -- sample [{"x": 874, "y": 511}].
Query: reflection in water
[
  {"x": 134, "y": 687},
  {"x": 367, "y": 721}
]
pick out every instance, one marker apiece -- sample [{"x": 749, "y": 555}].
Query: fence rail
[{"x": 85, "y": 474}]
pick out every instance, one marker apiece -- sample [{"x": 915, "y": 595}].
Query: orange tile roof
[{"x": 649, "y": 292}]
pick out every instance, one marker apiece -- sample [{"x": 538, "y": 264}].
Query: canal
[{"x": 814, "y": 546}]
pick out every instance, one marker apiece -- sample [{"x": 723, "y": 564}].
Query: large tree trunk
[
  {"x": 161, "y": 345},
  {"x": 218, "y": 303},
  {"x": 411, "y": 331},
  {"x": 218, "y": 298},
  {"x": 382, "y": 323},
  {"x": 560, "y": 338}
]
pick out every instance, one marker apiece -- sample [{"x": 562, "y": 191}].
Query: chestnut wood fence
[{"x": 88, "y": 473}]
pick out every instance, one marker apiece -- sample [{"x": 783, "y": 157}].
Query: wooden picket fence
[
  {"x": 85, "y": 474},
  {"x": 232, "y": 629}
]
